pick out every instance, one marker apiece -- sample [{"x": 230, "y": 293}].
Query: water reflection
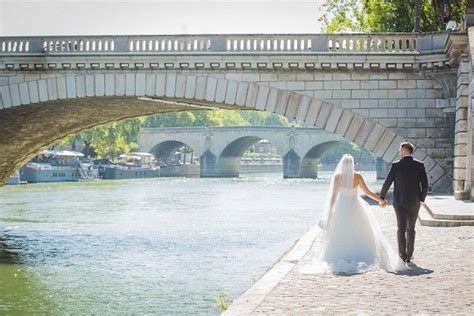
[
  {"x": 8, "y": 255},
  {"x": 20, "y": 290}
]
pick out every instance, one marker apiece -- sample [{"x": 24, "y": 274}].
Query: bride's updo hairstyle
[{"x": 345, "y": 171}]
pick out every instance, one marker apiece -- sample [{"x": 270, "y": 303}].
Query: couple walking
[{"x": 351, "y": 241}]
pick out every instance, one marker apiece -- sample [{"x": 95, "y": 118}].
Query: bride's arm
[{"x": 366, "y": 190}]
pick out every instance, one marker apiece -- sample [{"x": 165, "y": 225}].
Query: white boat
[
  {"x": 131, "y": 166},
  {"x": 57, "y": 166}
]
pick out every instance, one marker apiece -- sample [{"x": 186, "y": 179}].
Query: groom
[{"x": 411, "y": 187}]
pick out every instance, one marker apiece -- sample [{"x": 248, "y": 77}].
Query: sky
[{"x": 112, "y": 17}]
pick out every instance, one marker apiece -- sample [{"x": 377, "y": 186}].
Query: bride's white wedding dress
[{"x": 350, "y": 240}]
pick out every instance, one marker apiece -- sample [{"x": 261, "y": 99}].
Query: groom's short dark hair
[{"x": 408, "y": 146}]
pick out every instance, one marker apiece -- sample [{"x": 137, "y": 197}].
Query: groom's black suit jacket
[{"x": 411, "y": 183}]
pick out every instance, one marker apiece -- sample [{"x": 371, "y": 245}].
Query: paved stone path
[{"x": 443, "y": 282}]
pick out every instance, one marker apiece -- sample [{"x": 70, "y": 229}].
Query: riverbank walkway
[{"x": 442, "y": 282}]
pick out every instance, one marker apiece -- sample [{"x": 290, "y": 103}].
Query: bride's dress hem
[{"x": 351, "y": 242}]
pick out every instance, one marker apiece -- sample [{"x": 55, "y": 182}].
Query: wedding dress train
[{"x": 350, "y": 241}]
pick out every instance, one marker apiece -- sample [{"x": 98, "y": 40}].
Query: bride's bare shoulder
[{"x": 357, "y": 176}]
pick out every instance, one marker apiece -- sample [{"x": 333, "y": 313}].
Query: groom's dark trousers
[{"x": 411, "y": 187}]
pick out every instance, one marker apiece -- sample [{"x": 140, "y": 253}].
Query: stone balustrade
[{"x": 388, "y": 43}]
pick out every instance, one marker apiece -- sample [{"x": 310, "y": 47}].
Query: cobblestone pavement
[{"x": 443, "y": 282}]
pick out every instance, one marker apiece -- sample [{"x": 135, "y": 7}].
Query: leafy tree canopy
[{"x": 389, "y": 15}]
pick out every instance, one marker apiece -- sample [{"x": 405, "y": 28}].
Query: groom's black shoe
[{"x": 404, "y": 258}]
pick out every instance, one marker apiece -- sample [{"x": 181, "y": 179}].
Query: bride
[{"x": 350, "y": 241}]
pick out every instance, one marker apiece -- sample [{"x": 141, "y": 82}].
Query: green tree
[
  {"x": 387, "y": 15},
  {"x": 179, "y": 119},
  {"x": 111, "y": 139},
  {"x": 334, "y": 154}
]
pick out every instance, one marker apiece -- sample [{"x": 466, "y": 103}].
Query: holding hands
[{"x": 382, "y": 202}]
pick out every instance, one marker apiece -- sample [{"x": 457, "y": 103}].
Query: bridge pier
[
  {"x": 381, "y": 168},
  {"x": 309, "y": 168},
  {"x": 291, "y": 165},
  {"x": 224, "y": 167},
  {"x": 208, "y": 164}
]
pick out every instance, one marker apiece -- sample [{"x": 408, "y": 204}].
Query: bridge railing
[
  {"x": 152, "y": 130},
  {"x": 207, "y": 44}
]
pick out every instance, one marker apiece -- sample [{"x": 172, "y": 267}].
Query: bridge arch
[
  {"x": 164, "y": 151},
  {"x": 310, "y": 161},
  {"x": 229, "y": 153},
  {"x": 40, "y": 112}
]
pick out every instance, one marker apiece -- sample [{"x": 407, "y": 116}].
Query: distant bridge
[{"x": 220, "y": 148}]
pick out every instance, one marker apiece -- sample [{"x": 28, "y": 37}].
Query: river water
[{"x": 165, "y": 245}]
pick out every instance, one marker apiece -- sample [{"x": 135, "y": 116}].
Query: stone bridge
[
  {"x": 375, "y": 90},
  {"x": 220, "y": 148}
]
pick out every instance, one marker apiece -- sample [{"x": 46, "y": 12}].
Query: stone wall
[{"x": 418, "y": 106}]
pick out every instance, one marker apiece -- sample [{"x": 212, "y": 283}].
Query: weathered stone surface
[
  {"x": 436, "y": 173},
  {"x": 231, "y": 94},
  {"x": 323, "y": 115},
  {"x": 374, "y": 137},
  {"x": 62, "y": 93},
  {"x": 150, "y": 84},
  {"x": 293, "y": 104},
  {"x": 140, "y": 84},
  {"x": 81, "y": 87},
  {"x": 53, "y": 90},
  {"x": 419, "y": 154},
  {"x": 34, "y": 93},
  {"x": 388, "y": 84},
  {"x": 393, "y": 149},
  {"x": 272, "y": 100},
  {"x": 130, "y": 84},
  {"x": 460, "y": 162},
  {"x": 252, "y": 93},
  {"x": 429, "y": 163},
  {"x": 458, "y": 173},
  {"x": 354, "y": 129},
  {"x": 24, "y": 93},
  {"x": 303, "y": 108},
  {"x": 333, "y": 119},
  {"x": 70, "y": 87},
  {"x": 43, "y": 90},
  {"x": 242, "y": 93},
  {"x": 99, "y": 85},
  {"x": 221, "y": 90},
  {"x": 352, "y": 85},
  {"x": 384, "y": 143},
  {"x": 360, "y": 94},
  {"x": 364, "y": 132},
  {"x": 313, "y": 112},
  {"x": 262, "y": 97},
  {"x": 201, "y": 88},
  {"x": 90, "y": 86},
  {"x": 6, "y": 97},
  {"x": 160, "y": 87},
  {"x": 407, "y": 84},
  {"x": 170, "y": 89},
  {"x": 211, "y": 87},
  {"x": 344, "y": 122},
  {"x": 282, "y": 103}
]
